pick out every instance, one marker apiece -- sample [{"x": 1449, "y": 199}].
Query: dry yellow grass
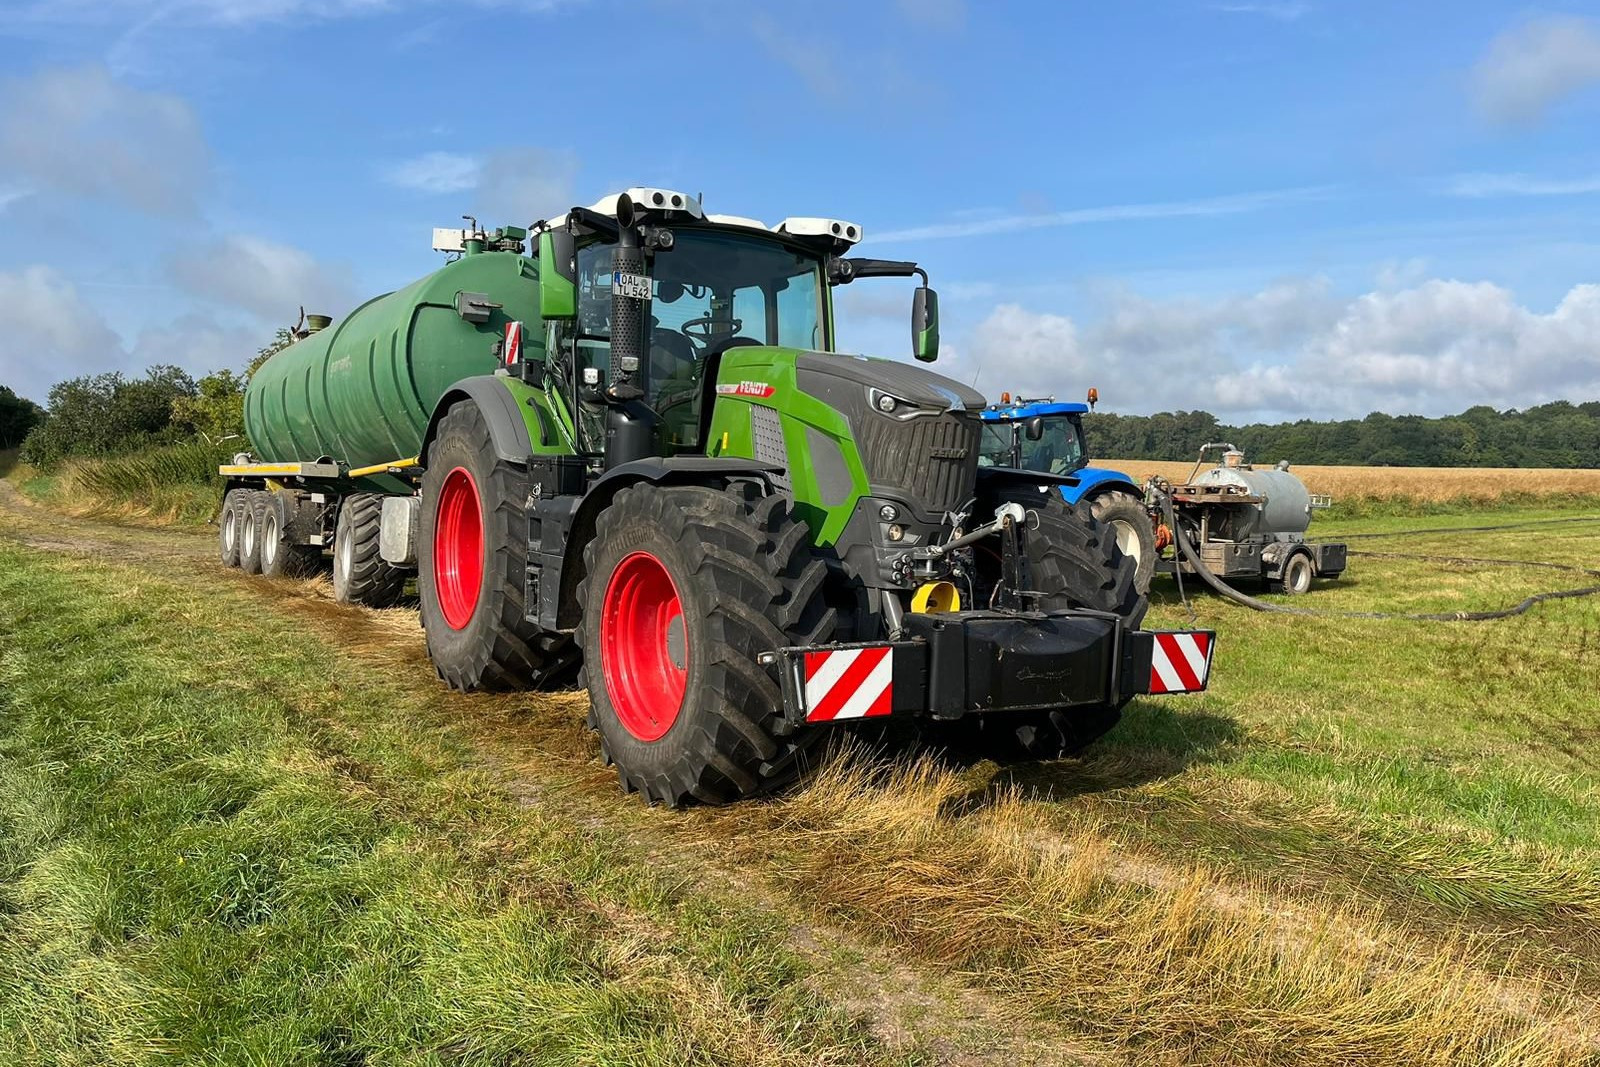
[
  {"x": 1176, "y": 960},
  {"x": 1422, "y": 484}
]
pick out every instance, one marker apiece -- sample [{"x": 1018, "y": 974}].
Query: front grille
[{"x": 933, "y": 459}]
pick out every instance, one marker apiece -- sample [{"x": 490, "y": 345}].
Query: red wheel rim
[
  {"x": 644, "y": 646},
  {"x": 458, "y": 548}
]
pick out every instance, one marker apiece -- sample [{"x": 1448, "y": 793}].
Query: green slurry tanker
[{"x": 629, "y": 455}]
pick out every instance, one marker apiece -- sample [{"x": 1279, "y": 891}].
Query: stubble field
[{"x": 242, "y": 823}]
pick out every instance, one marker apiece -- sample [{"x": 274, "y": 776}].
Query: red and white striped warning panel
[
  {"x": 1180, "y": 662},
  {"x": 849, "y": 683},
  {"x": 513, "y": 347}
]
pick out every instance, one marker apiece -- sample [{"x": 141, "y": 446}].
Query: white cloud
[
  {"x": 1489, "y": 185},
  {"x": 47, "y": 332},
  {"x": 436, "y": 172},
  {"x": 11, "y": 194},
  {"x": 515, "y": 185},
  {"x": 198, "y": 344},
  {"x": 1207, "y": 207},
  {"x": 520, "y": 185},
  {"x": 269, "y": 280},
  {"x": 78, "y": 131},
  {"x": 1533, "y": 65},
  {"x": 1296, "y": 350}
]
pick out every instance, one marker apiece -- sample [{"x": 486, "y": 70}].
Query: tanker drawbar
[{"x": 627, "y": 456}]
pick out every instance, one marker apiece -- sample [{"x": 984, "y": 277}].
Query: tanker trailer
[
  {"x": 638, "y": 450},
  {"x": 1248, "y": 524}
]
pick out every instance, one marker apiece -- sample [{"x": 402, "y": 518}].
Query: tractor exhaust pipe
[{"x": 630, "y": 424}]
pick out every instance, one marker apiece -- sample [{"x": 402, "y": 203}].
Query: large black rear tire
[
  {"x": 472, "y": 565},
  {"x": 684, "y": 588},
  {"x": 360, "y": 574}
]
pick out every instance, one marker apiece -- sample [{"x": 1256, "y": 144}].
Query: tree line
[
  {"x": 108, "y": 414},
  {"x": 114, "y": 413},
  {"x": 1559, "y": 434}
]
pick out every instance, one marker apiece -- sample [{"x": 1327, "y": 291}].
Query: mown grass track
[{"x": 1279, "y": 872}]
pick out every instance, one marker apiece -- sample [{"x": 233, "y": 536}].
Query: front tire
[
  {"x": 1132, "y": 531},
  {"x": 684, "y": 588},
  {"x": 472, "y": 565}
]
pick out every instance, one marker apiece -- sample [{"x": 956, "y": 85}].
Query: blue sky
[{"x": 1269, "y": 209}]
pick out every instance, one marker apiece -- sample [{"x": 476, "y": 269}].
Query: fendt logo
[
  {"x": 948, "y": 452},
  {"x": 760, "y": 389}
]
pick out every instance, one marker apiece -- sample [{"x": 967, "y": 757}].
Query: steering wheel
[{"x": 705, "y": 330}]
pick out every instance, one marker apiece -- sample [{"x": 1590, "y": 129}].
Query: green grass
[
  {"x": 239, "y": 822},
  {"x": 215, "y": 852}
]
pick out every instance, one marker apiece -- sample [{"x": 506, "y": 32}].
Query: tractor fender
[
  {"x": 1090, "y": 482},
  {"x": 507, "y": 428},
  {"x": 659, "y": 470}
]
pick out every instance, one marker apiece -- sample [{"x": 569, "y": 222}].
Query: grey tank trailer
[{"x": 1247, "y": 524}]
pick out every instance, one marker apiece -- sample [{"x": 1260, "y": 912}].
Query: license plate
[{"x": 632, "y": 286}]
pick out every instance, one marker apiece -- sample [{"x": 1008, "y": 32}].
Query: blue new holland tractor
[{"x": 1046, "y": 436}]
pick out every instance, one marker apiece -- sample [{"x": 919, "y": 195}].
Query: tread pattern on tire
[
  {"x": 250, "y": 544},
  {"x": 291, "y": 560},
  {"x": 228, "y": 522},
  {"x": 751, "y": 557},
  {"x": 1119, "y": 503},
  {"x": 372, "y": 580},
  {"x": 511, "y": 653},
  {"x": 1073, "y": 559}
]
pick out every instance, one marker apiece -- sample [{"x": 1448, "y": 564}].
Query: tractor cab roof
[
  {"x": 686, "y": 208},
  {"x": 1027, "y": 409}
]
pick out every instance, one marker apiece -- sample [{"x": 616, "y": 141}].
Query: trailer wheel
[
  {"x": 1075, "y": 560},
  {"x": 233, "y": 507},
  {"x": 472, "y": 565},
  {"x": 684, "y": 587},
  {"x": 281, "y": 557},
  {"x": 360, "y": 575},
  {"x": 1298, "y": 571},
  {"x": 250, "y": 531},
  {"x": 1135, "y": 536}
]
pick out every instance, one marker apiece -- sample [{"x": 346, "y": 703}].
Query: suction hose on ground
[{"x": 1180, "y": 538}]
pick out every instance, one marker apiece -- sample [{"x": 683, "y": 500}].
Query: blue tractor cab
[{"x": 1046, "y": 435}]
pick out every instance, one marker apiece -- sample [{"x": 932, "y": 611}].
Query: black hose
[
  {"x": 1181, "y": 539},
  {"x": 1465, "y": 529}
]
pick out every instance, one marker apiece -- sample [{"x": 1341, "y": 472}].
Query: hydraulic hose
[{"x": 1180, "y": 538}]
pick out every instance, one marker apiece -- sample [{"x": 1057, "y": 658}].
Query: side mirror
[
  {"x": 558, "y": 275},
  {"x": 1033, "y": 429},
  {"x": 925, "y": 324}
]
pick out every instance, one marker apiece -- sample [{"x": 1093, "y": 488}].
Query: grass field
[{"x": 242, "y": 823}]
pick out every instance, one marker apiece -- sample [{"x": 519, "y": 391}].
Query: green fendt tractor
[{"x": 635, "y": 455}]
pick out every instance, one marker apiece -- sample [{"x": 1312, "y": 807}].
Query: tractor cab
[
  {"x": 1036, "y": 435},
  {"x": 643, "y": 294}
]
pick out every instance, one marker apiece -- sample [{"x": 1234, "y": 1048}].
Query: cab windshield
[
  {"x": 711, "y": 292},
  {"x": 1059, "y": 449}
]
